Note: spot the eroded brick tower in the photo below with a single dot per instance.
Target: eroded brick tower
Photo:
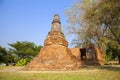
(55, 36)
(55, 55)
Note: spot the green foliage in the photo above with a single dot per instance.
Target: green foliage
(24, 49)
(23, 61)
(18, 51)
(114, 49)
(3, 52)
(8, 59)
(5, 57)
(96, 22)
(108, 57)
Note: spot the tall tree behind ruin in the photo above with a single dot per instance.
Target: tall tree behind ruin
(96, 22)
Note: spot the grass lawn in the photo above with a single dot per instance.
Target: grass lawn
(90, 73)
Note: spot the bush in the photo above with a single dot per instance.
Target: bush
(23, 61)
(108, 57)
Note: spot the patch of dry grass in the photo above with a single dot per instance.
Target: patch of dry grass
(91, 73)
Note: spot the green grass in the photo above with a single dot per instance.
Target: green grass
(100, 73)
(2, 67)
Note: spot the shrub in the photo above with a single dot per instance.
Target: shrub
(23, 61)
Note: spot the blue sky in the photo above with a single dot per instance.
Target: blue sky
(30, 20)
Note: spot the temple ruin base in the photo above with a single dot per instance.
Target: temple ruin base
(54, 57)
(55, 54)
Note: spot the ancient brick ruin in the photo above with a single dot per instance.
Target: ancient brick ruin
(55, 55)
(91, 55)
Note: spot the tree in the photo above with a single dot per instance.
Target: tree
(5, 57)
(97, 22)
(3, 52)
(24, 49)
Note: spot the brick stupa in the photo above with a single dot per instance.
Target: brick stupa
(55, 55)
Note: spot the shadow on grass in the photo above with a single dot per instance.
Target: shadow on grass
(105, 67)
(110, 67)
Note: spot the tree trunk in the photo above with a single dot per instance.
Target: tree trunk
(119, 59)
(115, 35)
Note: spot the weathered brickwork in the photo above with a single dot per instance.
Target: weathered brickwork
(55, 55)
(55, 37)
